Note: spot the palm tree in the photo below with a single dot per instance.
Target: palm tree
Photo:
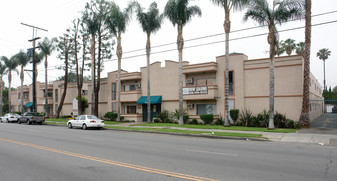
(323, 54)
(304, 118)
(179, 13)
(23, 60)
(263, 14)
(279, 49)
(228, 5)
(47, 47)
(90, 19)
(300, 48)
(11, 65)
(117, 22)
(2, 83)
(288, 45)
(150, 22)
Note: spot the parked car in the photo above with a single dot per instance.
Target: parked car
(31, 117)
(10, 117)
(86, 121)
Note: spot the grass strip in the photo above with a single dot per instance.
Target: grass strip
(166, 130)
(235, 128)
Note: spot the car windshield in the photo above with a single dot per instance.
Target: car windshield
(92, 117)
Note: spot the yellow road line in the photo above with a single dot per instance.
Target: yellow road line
(111, 162)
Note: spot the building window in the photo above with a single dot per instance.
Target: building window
(56, 95)
(130, 109)
(84, 92)
(231, 83)
(25, 95)
(56, 107)
(205, 81)
(50, 93)
(206, 109)
(113, 106)
(130, 87)
(113, 91)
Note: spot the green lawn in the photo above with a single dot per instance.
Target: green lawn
(236, 128)
(241, 135)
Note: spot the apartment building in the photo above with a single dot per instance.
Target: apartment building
(203, 92)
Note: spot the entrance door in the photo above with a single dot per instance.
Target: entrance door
(155, 108)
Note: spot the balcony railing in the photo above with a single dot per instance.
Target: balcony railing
(131, 96)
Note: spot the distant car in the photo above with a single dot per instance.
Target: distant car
(10, 117)
(86, 121)
(31, 118)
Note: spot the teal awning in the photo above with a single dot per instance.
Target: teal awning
(153, 100)
(29, 104)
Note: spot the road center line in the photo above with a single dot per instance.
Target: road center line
(110, 162)
(211, 152)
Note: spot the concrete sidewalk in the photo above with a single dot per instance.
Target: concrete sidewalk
(315, 138)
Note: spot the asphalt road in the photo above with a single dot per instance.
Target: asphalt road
(39, 153)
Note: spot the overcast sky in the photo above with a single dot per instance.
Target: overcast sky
(56, 17)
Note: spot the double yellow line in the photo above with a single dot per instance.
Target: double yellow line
(111, 162)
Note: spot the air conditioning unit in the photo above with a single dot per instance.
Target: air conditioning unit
(190, 106)
(189, 81)
(137, 85)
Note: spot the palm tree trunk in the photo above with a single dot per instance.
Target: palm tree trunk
(148, 50)
(21, 93)
(227, 25)
(271, 41)
(180, 44)
(324, 75)
(46, 85)
(9, 91)
(304, 118)
(92, 51)
(1, 87)
(119, 55)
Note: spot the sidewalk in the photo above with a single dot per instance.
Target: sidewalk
(322, 139)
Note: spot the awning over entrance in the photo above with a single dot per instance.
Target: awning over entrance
(153, 100)
(29, 104)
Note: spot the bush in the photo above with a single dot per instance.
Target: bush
(163, 116)
(156, 120)
(255, 122)
(207, 118)
(280, 120)
(194, 121)
(19, 113)
(246, 117)
(219, 122)
(290, 124)
(111, 116)
(234, 113)
(263, 118)
(239, 123)
(185, 118)
(66, 116)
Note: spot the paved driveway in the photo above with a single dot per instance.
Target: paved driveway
(325, 124)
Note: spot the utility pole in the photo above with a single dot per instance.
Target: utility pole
(31, 51)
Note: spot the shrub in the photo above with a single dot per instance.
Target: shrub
(207, 118)
(111, 116)
(280, 120)
(246, 117)
(234, 113)
(19, 113)
(156, 120)
(163, 115)
(239, 123)
(194, 121)
(218, 122)
(255, 122)
(66, 116)
(263, 118)
(290, 124)
(185, 118)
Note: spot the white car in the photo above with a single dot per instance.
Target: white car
(10, 117)
(86, 121)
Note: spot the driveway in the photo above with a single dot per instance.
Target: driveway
(325, 124)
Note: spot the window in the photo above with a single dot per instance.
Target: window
(113, 91)
(130, 87)
(84, 92)
(25, 95)
(206, 109)
(130, 109)
(205, 81)
(231, 83)
(56, 107)
(113, 106)
(56, 96)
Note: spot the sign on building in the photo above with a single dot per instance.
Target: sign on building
(75, 107)
(195, 90)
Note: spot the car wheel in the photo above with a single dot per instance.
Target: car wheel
(84, 126)
(70, 125)
(28, 122)
(98, 128)
(39, 123)
(19, 122)
(8, 121)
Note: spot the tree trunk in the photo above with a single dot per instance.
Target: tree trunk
(180, 44)
(64, 87)
(227, 26)
(271, 41)
(46, 85)
(97, 86)
(304, 118)
(1, 87)
(9, 91)
(92, 52)
(148, 50)
(324, 82)
(119, 55)
(21, 93)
